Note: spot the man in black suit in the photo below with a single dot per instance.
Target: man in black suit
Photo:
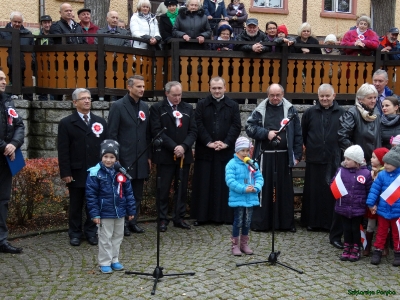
(11, 138)
(128, 123)
(177, 141)
(79, 138)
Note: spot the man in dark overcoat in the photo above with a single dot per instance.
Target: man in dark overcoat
(320, 124)
(218, 125)
(79, 137)
(128, 124)
(12, 135)
(177, 141)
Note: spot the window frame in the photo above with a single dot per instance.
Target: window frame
(282, 11)
(340, 15)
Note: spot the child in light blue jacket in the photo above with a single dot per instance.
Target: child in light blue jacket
(244, 185)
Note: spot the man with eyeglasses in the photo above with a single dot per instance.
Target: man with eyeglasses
(264, 126)
(79, 137)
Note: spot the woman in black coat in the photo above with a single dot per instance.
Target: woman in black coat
(167, 20)
(305, 37)
(390, 120)
(237, 16)
(192, 23)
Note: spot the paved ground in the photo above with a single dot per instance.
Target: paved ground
(50, 268)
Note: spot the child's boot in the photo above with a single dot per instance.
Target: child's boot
(235, 246)
(369, 236)
(376, 257)
(355, 253)
(346, 252)
(244, 247)
(396, 261)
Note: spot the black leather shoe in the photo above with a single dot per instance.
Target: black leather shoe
(75, 242)
(7, 248)
(127, 232)
(182, 224)
(293, 229)
(163, 226)
(92, 240)
(135, 228)
(198, 223)
(337, 244)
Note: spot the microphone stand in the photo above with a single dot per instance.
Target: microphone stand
(273, 256)
(158, 271)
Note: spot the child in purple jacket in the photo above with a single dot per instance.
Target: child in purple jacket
(357, 181)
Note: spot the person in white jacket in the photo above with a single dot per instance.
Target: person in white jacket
(144, 25)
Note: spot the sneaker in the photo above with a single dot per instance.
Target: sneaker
(117, 266)
(355, 253)
(376, 257)
(346, 252)
(106, 269)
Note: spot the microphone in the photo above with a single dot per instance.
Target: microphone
(247, 160)
(119, 168)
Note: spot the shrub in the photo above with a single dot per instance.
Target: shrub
(35, 188)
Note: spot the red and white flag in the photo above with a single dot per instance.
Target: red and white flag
(398, 227)
(363, 237)
(337, 187)
(392, 193)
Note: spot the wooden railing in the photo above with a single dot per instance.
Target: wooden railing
(104, 69)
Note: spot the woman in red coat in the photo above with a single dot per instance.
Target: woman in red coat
(362, 36)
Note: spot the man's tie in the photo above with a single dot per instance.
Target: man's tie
(174, 107)
(85, 117)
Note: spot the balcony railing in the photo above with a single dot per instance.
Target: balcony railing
(104, 69)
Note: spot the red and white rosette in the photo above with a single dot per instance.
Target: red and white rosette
(97, 129)
(142, 115)
(284, 122)
(238, 12)
(121, 178)
(361, 37)
(178, 116)
(11, 114)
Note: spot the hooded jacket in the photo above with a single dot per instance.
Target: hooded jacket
(140, 28)
(106, 198)
(381, 183)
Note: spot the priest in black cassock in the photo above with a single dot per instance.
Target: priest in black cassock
(263, 126)
(218, 124)
(320, 124)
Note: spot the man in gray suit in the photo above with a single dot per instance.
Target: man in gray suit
(128, 123)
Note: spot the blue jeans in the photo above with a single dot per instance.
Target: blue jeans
(241, 219)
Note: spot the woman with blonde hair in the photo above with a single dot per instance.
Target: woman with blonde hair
(144, 25)
(304, 37)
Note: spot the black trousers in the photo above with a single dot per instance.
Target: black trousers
(167, 174)
(137, 187)
(5, 195)
(351, 230)
(77, 203)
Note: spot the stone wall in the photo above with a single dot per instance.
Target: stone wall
(41, 120)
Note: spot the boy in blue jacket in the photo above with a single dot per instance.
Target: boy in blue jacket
(244, 184)
(384, 200)
(109, 198)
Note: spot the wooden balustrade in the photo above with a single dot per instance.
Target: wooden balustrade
(104, 69)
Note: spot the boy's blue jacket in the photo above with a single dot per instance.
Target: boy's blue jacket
(236, 175)
(103, 198)
(380, 184)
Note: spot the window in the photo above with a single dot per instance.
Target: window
(268, 3)
(340, 6)
(269, 6)
(339, 9)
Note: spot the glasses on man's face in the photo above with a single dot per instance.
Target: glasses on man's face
(85, 99)
(273, 96)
